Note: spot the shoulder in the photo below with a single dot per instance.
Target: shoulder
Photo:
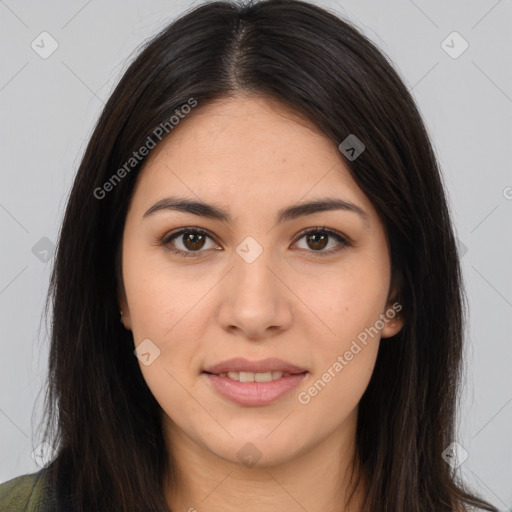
(25, 493)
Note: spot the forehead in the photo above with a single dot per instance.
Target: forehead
(242, 148)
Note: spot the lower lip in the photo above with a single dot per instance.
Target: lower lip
(254, 393)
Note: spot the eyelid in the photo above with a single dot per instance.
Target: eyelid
(325, 229)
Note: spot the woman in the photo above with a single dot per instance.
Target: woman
(261, 203)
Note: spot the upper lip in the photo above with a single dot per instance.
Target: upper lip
(239, 364)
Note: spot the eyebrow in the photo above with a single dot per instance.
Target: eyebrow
(286, 214)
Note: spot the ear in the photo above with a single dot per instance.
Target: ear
(125, 310)
(393, 316)
(121, 294)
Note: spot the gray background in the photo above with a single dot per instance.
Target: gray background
(48, 107)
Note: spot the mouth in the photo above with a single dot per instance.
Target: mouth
(264, 369)
(253, 383)
(252, 389)
(255, 376)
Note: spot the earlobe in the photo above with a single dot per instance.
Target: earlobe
(394, 314)
(392, 327)
(125, 320)
(394, 320)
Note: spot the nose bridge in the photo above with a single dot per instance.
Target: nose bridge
(255, 298)
(251, 271)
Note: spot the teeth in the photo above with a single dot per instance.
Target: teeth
(254, 377)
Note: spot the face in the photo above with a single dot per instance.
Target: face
(255, 279)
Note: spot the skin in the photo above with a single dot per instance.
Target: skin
(253, 156)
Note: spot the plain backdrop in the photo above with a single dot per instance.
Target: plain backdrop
(59, 63)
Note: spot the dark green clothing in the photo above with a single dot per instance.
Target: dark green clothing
(26, 493)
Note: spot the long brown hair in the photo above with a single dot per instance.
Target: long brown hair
(101, 416)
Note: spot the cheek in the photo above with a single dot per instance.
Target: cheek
(345, 358)
(351, 298)
(162, 307)
(350, 305)
(160, 295)
(335, 392)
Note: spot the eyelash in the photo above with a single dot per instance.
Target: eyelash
(343, 242)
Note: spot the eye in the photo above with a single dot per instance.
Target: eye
(192, 240)
(318, 239)
(187, 242)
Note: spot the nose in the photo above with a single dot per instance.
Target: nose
(256, 301)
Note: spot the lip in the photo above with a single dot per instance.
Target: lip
(254, 393)
(239, 364)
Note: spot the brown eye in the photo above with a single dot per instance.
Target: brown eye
(318, 239)
(187, 242)
(193, 241)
